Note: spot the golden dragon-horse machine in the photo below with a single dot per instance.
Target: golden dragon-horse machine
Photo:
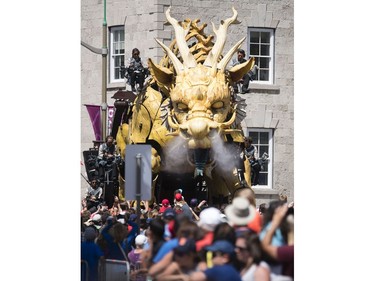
(190, 115)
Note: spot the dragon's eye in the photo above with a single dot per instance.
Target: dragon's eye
(217, 105)
(182, 106)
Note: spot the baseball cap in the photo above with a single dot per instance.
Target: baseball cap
(97, 218)
(209, 218)
(140, 240)
(89, 234)
(222, 246)
(169, 213)
(165, 202)
(178, 196)
(132, 217)
(194, 202)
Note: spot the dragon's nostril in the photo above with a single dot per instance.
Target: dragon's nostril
(199, 128)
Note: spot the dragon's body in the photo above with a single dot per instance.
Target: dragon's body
(189, 112)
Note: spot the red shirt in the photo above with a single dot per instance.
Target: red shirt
(256, 223)
(163, 208)
(205, 241)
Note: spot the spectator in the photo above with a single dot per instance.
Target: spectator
(255, 224)
(209, 218)
(185, 262)
(186, 210)
(169, 220)
(95, 221)
(133, 229)
(187, 230)
(249, 254)
(85, 216)
(280, 235)
(114, 234)
(284, 254)
(156, 240)
(240, 213)
(222, 269)
(193, 202)
(135, 257)
(91, 252)
(224, 231)
(197, 208)
(165, 205)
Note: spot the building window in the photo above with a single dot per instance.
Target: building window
(117, 53)
(263, 140)
(261, 47)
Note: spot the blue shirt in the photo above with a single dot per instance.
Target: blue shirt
(222, 273)
(113, 249)
(165, 249)
(91, 253)
(277, 239)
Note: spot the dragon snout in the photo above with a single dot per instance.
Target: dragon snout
(198, 131)
(198, 128)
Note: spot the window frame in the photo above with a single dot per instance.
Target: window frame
(270, 153)
(112, 55)
(271, 67)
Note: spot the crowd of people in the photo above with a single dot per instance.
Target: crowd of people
(193, 240)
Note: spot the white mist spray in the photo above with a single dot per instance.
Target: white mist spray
(222, 154)
(175, 156)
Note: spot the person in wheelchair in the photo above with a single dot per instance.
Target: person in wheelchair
(136, 70)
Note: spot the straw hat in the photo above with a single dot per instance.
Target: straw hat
(240, 212)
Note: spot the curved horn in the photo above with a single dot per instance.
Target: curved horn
(221, 37)
(188, 58)
(224, 61)
(178, 66)
(161, 74)
(172, 124)
(238, 71)
(230, 121)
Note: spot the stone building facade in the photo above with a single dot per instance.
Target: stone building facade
(270, 102)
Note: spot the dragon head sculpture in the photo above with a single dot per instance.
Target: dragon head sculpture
(202, 105)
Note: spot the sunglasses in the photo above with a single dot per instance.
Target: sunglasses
(241, 249)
